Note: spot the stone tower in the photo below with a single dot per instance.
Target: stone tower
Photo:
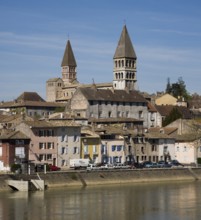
(124, 71)
(68, 65)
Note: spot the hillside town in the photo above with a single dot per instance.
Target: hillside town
(107, 123)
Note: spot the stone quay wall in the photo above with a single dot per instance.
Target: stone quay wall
(105, 177)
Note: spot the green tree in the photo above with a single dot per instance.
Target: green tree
(174, 115)
(168, 87)
(178, 89)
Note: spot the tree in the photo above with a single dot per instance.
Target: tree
(168, 87)
(178, 89)
(174, 115)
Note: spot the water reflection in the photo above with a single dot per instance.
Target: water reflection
(138, 201)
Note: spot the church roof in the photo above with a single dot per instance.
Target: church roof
(125, 46)
(68, 58)
(92, 94)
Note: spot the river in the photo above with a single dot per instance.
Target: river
(155, 201)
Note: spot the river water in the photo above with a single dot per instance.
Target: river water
(155, 201)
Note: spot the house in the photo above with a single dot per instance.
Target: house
(14, 148)
(115, 143)
(54, 142)
(187, 140)
(90, 145)
(187, 148)
(31, 104)
(153, 146)
(166, 99)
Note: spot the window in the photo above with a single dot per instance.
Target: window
(63, 150)
(20, 152)
(75, 150)
(94, 149)
(85, 149)
(62, 138)
(185, 148)
(153, 148)
(42, 146)
(140, 114)
(41, 157)
(1, 151)
(75, 138)
(113, 147)
(50, 145)
(49, 156)
(63, 163)
(119, 148)
(165, 149)
(178, 148)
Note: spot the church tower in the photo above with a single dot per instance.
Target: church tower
(68, 65)
(124, 70)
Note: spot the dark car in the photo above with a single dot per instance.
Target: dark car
(176, 163)
(164, 164)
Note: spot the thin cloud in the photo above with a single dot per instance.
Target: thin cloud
(195, 34)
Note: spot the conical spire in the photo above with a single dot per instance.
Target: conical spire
(125, 48)
(68, 58)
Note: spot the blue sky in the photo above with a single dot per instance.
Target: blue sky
(166, 36)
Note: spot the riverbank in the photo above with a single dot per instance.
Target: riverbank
(105, 177)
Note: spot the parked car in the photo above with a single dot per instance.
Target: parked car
(54, 168)
(164, 164)
(121, 166)
(147, 164)
(176, 163)
(138, 165)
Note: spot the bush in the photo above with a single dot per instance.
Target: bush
(15, 167)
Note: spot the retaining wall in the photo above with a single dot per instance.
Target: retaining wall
(90, 178)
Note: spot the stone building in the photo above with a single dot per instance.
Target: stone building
(108, 104)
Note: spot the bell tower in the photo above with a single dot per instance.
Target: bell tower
(124, 60)
(68, 65)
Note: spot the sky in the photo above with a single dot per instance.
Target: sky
(166, 36)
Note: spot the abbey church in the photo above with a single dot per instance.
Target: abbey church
(104, 102)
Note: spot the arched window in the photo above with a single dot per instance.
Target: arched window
(127, 75)
(122, 63)
(115, 63)
(119, 63)
(126, 63)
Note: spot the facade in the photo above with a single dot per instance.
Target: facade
(68, 143)
(104, 104)
(90, 146)
(186, 151)
(52, 142)
(153, 146)
(14, 148)
(31, 104)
